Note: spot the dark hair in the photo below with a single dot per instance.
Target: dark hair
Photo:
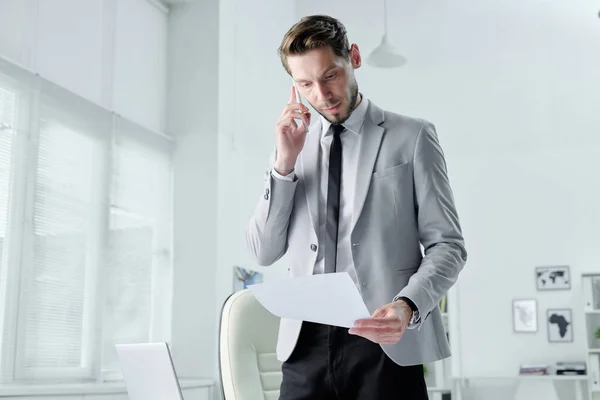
(313, 32)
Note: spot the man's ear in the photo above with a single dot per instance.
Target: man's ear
(355, 58)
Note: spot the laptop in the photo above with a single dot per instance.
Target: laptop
(148, 371)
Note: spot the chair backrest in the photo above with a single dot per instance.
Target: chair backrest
(248, 364)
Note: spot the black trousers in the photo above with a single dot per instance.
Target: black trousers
(328, 363)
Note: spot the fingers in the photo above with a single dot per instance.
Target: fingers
(387, 331)
(381, 338)
(387, 341)
(380, 312)
(293, 111)
(296, 113)
(305, 118)
(381, 322)
(290, 122)
(291, 107)
(286, 122)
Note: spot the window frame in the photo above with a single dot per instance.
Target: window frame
(9, 313)
(30, 98)
(94, 253)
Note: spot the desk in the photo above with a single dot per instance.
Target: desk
(194, 389)
(529, 386)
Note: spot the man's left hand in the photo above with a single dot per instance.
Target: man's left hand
(386, 325)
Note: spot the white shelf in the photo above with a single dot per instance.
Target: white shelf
(439, 376)
(589, 284)
(438, 390)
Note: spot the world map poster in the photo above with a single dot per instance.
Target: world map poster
(553, 278)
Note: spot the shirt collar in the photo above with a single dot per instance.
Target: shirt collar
(354, 122)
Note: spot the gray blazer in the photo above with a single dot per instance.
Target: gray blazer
(401, 175)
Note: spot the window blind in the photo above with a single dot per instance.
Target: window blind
(138, 241)
(7, 117)
(62, 229)
(7, 122)
(85, 198)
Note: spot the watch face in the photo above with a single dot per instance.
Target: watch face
(415, 317)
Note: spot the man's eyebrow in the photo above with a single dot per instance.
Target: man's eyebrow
(329, 69)
(332, 67)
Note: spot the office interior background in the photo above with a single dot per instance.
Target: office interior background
(134, 135)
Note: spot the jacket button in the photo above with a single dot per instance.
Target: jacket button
(267, 191)
(313, 247)
(266, 196)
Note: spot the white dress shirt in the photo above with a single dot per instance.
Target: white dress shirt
(350, 151)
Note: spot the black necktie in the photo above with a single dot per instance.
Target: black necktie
(333, 199)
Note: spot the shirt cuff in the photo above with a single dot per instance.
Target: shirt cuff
(289, 177)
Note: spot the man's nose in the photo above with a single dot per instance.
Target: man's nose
(323, 93)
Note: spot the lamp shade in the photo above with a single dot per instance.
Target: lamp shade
(386, 55)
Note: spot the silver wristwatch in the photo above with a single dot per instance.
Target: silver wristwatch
(416, 317)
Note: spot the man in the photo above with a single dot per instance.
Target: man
(358, 191)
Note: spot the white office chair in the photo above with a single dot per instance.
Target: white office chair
(248, 363)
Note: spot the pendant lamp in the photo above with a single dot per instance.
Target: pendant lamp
(386, 55)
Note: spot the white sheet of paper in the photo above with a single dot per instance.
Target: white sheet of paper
(330, 299)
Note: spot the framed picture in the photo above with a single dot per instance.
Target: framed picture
(525, 315)
(444, 305)
(560, 325)
(553, 278)
(243, 277)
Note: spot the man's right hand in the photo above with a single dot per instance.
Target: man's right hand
(289, 136)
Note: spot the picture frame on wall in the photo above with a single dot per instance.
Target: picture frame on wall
(559, 323)
(525, 318)
(553, 278)
(243, 277)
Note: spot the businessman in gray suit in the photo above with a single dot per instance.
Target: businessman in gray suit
(357, 189)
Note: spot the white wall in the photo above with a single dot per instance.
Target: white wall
(193, 120)
(223, 69)
(517, 115)
(111, 52)
(253, 89)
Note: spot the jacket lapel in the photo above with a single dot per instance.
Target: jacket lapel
(311, 171)
(370, 140)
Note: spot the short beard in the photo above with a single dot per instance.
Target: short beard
(351, 105)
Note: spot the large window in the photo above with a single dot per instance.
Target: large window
(85, 234)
